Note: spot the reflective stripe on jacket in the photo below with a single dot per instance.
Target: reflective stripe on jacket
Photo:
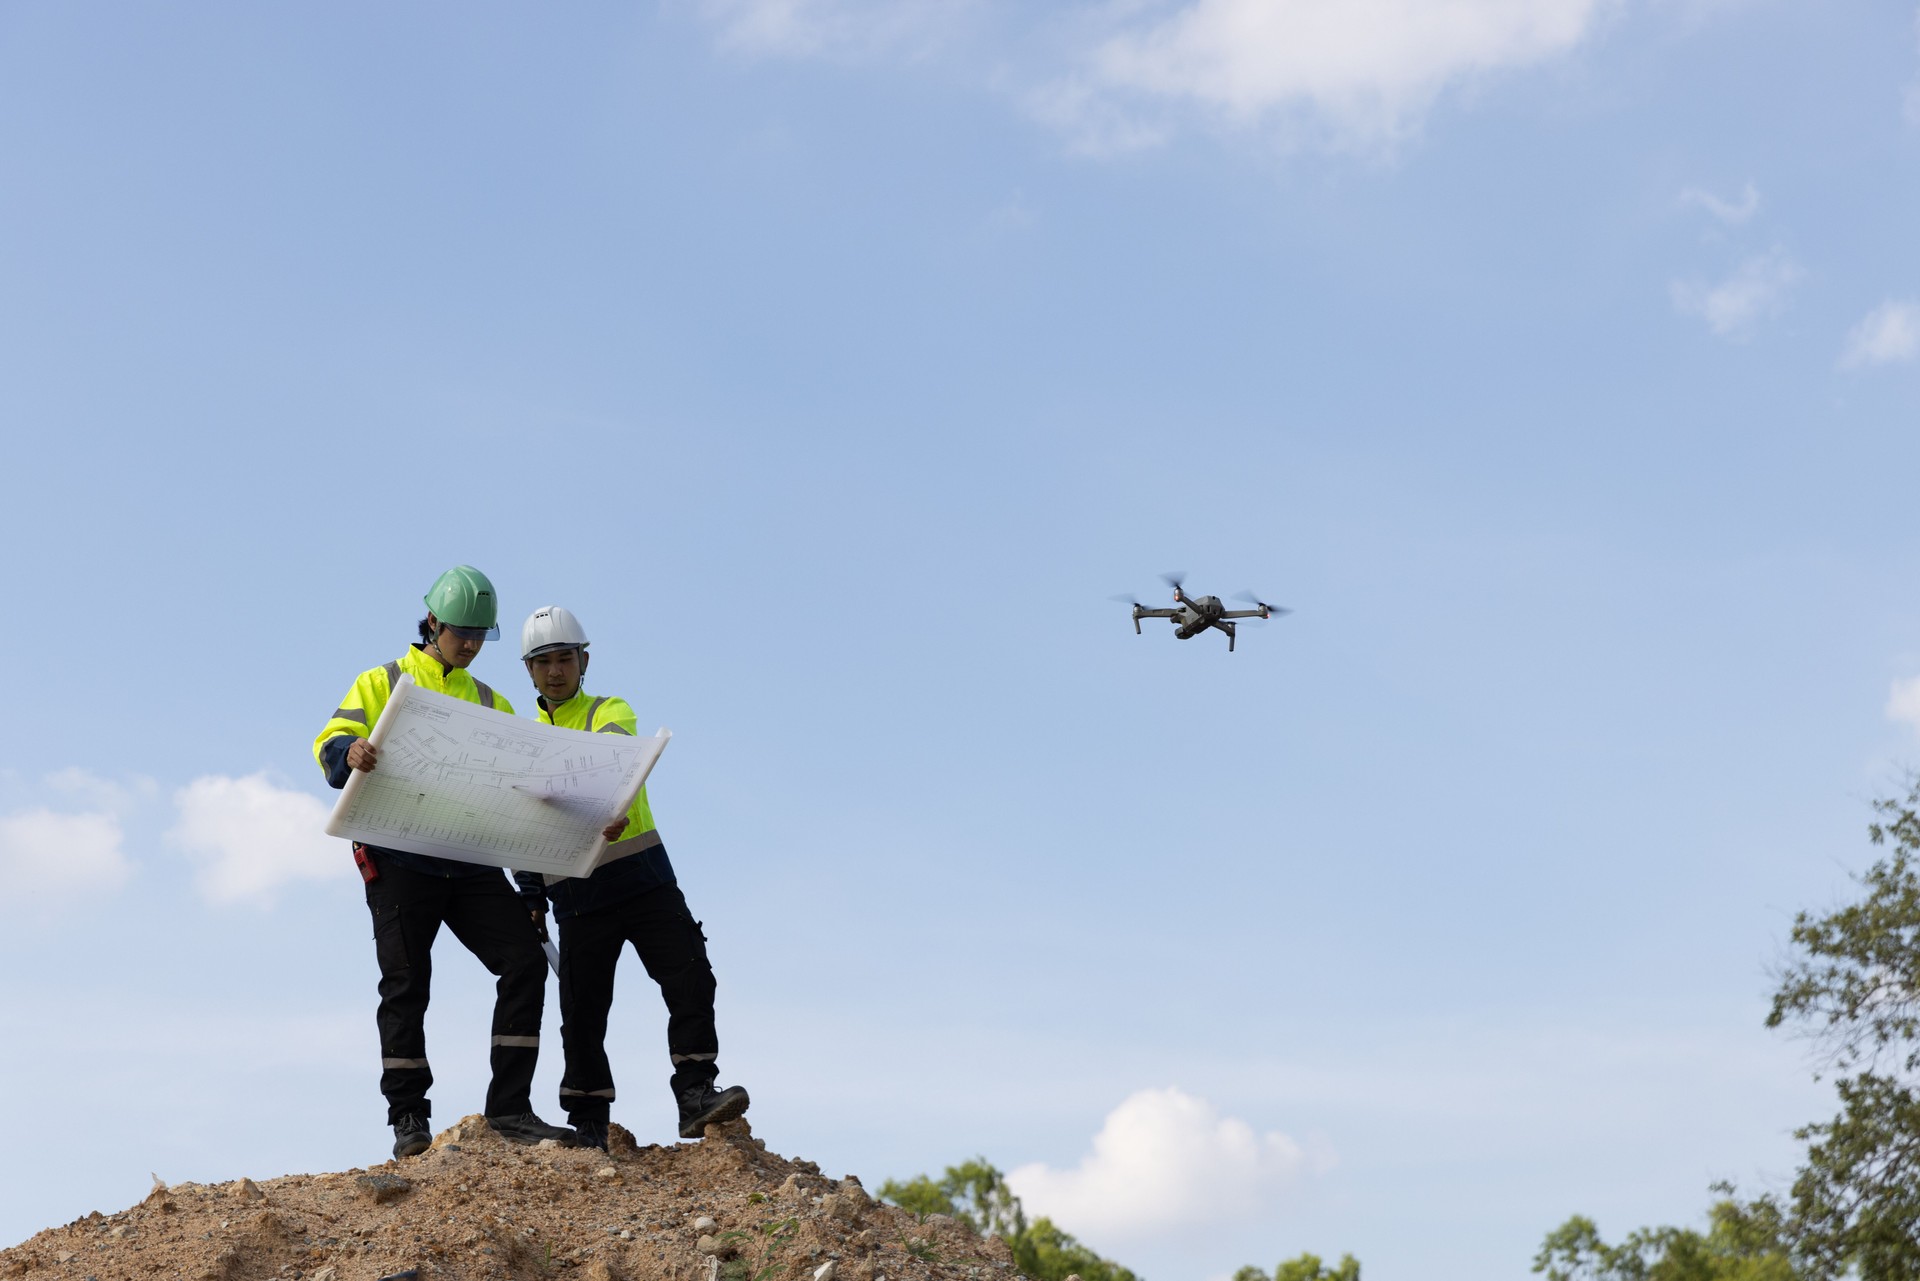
(603, 716)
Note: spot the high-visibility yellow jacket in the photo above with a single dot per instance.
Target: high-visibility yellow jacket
(603, 716)
(633, 864)
(360, 711)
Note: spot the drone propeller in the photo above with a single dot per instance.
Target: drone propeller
(1174, 578)
(1127, 599)
(1275, 610)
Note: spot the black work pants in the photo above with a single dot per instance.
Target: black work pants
(672, 947)
(490, 921)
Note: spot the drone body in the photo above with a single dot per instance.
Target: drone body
(1192, 615)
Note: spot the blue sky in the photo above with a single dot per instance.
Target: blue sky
(836, 361)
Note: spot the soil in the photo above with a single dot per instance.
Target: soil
(475, 1206)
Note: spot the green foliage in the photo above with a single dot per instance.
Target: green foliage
(1742, 1243)
(921, 1196)
(1307, 1267)
(773, 1235)
(1855, 988)
(976, 1193)
(1045, 1253)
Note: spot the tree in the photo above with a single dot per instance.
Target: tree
(977, 1194)
(1307, 1267)
(1045, 1253)
(1855, 987)
(1742, 1243)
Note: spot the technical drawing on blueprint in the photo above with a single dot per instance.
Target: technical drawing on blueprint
(464, 782)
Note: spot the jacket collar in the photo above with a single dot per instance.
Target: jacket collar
(550, 713)
(426, 669)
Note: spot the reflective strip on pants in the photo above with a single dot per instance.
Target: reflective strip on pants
(518, 1042)
(586, 1094)
(403, 1063)
(693, 1058)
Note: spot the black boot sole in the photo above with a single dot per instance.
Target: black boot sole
(725, 1111)
(412, 1147)
(527, 1140)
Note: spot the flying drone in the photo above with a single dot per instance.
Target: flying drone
(1195, 614)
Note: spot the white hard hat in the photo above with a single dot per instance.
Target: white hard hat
(551, 627)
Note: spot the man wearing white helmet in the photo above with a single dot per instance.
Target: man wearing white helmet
(631, 897)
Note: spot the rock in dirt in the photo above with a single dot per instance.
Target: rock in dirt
(382, 1188)
(838, 1205)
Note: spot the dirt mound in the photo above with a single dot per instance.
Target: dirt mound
(474, 1206)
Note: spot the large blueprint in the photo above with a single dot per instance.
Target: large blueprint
(461, 781)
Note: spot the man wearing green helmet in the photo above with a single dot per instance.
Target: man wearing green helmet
(412, 895)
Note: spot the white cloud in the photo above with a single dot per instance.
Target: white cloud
(1369, 68)
(251, 837)
(836, 28)
(1903, 702)
(1731, 212)
(1094, 122)
(1113, 75)
(101, 793)
(65, 853)
(1162, 1159)
(1733, 308)
(1887, 335)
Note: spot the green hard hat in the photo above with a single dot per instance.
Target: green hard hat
(463, 596)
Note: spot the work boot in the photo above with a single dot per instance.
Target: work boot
(701, 1106)
(528, 1128)
(411, 1136)
(593, 1134)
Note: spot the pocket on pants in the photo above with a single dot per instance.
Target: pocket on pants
(389, 938)
(696, 945)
